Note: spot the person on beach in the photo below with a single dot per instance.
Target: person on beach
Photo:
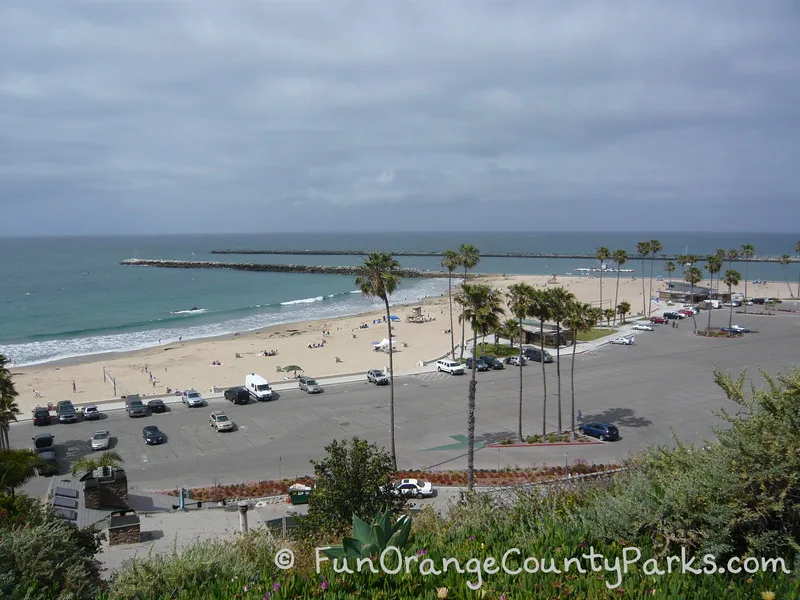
(74, 387)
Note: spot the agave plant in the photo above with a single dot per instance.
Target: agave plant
(372, 540)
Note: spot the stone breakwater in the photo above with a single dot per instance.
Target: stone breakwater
(322, 270)
(589, 256)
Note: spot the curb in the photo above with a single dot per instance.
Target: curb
(546, 444)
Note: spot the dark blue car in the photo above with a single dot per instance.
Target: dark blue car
(604, 431)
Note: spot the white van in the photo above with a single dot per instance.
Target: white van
(258, 387)
(450, 366)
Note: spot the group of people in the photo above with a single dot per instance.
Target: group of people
(269, 353)
(216, 363)
(320, 345)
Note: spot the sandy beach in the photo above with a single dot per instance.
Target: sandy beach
(347, 348)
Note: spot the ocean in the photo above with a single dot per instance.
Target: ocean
(62, 297)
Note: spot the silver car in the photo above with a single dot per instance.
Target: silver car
(100, 440)
(309, 385)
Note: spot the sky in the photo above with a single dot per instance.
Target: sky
(155, 116)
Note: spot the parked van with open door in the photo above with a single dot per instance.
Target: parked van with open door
(258, 387)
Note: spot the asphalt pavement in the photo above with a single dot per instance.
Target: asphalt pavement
(662, 385)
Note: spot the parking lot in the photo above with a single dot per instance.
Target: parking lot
(661, 384)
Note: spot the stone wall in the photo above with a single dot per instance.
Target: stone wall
(126, 534)
(108, 489)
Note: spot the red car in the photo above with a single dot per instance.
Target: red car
(661, 320)
(688, 312)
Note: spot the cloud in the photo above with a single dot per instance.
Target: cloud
(149, 117)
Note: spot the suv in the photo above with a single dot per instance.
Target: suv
(309, 385)
(220, 421)
(66, 412)
(516, 360)
(43, 442)
(134, 406)
(492, 362)
(377, 377)
(536, 354)
(91, 412)
(192, 398)
(237, 395)
(450, 366)
(41, 416)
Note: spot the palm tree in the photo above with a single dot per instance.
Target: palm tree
(784, 261)
(669, 267)
(602, 255)
(693, 276)
(580, 317)
(540, 308)
(748, 252)
(450, 262)
(468, 257)
(731, 279)
(608, 314)
(87, 464)
(623, 309)
(655, 248)
(643, 249)
(378, 278)
(559, 306)
(520, 296)
(713, 265)
(8, 405)
(17, 467)
(482, 307)
(683, 260)
(620, 257)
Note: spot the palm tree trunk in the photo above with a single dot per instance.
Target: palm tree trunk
(4, 437)
(463, 324)
(520, 381)
(710, 287)
(558, 370)
(616, 296)
(730, 315)
(644, 300)
(450, 296)
(601, 285)
(544, 379)
(391, 383)
(746, 260)
(694, 318)
(650, 293)
(572, 383)
(473, 384)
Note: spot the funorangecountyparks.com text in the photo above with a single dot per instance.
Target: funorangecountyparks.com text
(514, 561)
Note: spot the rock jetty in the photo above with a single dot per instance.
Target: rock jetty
(324, 270)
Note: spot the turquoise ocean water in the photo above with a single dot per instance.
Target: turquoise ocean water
(69, 296)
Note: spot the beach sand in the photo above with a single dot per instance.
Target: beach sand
(347, 349)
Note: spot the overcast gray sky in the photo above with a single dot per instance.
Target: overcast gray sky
(191, 116)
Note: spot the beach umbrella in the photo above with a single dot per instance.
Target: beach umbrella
(294, 368)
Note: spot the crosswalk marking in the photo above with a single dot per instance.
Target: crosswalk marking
(431, 377)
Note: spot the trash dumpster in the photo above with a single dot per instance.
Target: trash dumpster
(299, 493)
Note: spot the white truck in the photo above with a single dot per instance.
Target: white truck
(258, 387)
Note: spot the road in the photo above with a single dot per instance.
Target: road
(661, 385)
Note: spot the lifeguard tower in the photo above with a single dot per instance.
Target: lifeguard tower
(415, 316)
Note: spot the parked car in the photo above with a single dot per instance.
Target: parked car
(309, 385)
(625, 341)
(157, 405)
(516, 360)
(415, 488)
(43, 442)
(536, 354)
(732, 304)
(100, 440)
(220, 421)
(450, 366)
(192, 398)
(237, 395)
(66, 412)
(91, 412)
(135, 406)
(492, 362)
(642, 327)
(377, 377)
(41, 416)
(687, 312)
(479, 364)
(740, 328)
(659, 320)
(49, 464)
(674, 315)
(152, 435)
(604, 431)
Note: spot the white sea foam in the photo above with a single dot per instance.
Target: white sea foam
(303, 301)
(190, 311)
(309, 309)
